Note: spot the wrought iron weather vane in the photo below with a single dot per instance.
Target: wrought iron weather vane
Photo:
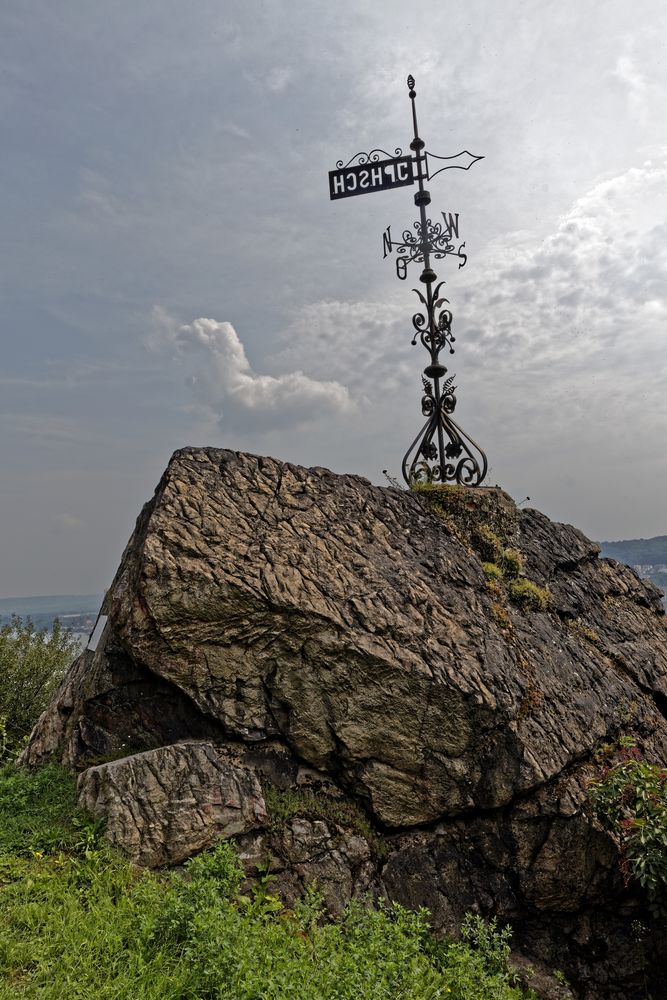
(442, 452)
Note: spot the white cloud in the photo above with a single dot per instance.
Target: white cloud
(362, 344)
(627, 72)
(97, 199)
(560, 353)
(640, 71)
(278, 78)
(592, 293)
(228, 388)
(233, 128)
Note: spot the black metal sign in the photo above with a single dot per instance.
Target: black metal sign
(442, 452)
(371, 175)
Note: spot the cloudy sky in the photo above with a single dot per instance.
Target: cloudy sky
(173, 272)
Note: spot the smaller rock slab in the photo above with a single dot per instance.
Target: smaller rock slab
(164, 805)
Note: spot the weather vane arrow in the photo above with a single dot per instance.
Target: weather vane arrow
(442, 452)
(462, 161)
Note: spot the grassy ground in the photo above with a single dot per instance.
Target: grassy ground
(78, 922)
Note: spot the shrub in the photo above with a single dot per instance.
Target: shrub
(32, 664)
(630, 801)
(284, 805)
(579, 628)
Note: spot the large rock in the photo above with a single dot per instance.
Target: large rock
(314, 621)
(164, 805)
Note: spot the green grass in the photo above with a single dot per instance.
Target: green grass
(78, 922)
(38, 812)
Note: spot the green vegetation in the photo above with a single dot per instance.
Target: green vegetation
(492, 571)
(503, 565)
(502, 619)
(527, 594)
(582, 630)
(38, 812)
(488, 544)
(32, 664)
(511, 563)
(283, 805)
(471, 510)
(445, 503)
(630, 801)
(79, 922)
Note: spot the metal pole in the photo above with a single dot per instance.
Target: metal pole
(428, 276)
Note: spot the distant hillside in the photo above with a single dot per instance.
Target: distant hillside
(647, 555)
(75, 611)
(638, 551)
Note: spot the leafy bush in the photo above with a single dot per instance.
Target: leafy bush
(630, 801)
(32, 664)
(79, 922)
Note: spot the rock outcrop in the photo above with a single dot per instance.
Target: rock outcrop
(419, 727)
(164, 805)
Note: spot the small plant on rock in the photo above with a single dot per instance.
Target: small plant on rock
(283, 806)
(527, 594)
(491, 571)
(512, 563)
(488, 544)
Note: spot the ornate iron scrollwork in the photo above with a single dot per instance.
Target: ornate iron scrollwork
(434, 239)
(374, 156)
(442, 452)
(435, 329)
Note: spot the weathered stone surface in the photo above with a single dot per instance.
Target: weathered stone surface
(164, 805)
(307, 851)
(309, 621)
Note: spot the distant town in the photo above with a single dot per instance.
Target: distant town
(77, 612)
